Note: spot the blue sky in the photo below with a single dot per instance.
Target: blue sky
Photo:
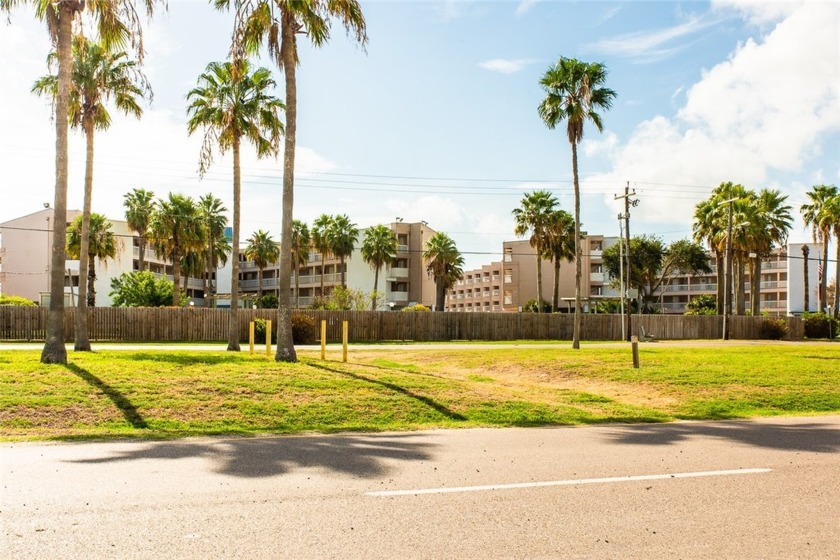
(437, 119)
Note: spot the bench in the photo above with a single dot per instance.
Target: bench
(645, 336)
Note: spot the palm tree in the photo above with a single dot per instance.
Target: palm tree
(277, 24)
(231, 103)
(533, 216)
(216, 249)
(574, 91)
(342, 236)
(301, 241)
(378, 249)
(560, 246)
(320, 240)
(833, 211)
(445, 265)
(263, 250)
(98, 76)
(175, 231)
(709, 221)
(806, 303)
(117, 23)
(770, 228)
(102, 245)
(139, 207)
(817, 215)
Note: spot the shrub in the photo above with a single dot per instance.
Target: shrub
(773, 329)
(141, 289)
(531, 306)
(267, 301)
(704, 304)
(416, 307)
(304, 330)
(819, 325)
(17, 301)
(343, 299)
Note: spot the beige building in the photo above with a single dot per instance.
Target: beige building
(509, 284)
(25, 246)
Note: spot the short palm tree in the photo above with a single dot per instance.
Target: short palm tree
(445, 265)
(301, 240)
(216, 246)
(176, 231)
(263, 251)
(98, 76)
(817, 215)
(102, 245)
(139, 206)
(277, 23)
(560, 246)
(342, 236)
(532, 217)
(574, 92)
(232, 103)
(117, 23)
(321, 242)
(379, 249)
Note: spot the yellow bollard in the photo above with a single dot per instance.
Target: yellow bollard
(251, 337)
(323, 339)
(344, 341)
(268, 338)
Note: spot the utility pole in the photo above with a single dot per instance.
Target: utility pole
(628, 202)
(623, 292)
(727, 271)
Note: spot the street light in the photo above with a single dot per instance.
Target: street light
(727, 271)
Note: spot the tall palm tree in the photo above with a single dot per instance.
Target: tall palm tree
(342, 236)
(817, 215)
(378, 249)
(445, 265)
(277, 24)
(574, 92)
(321, 241)
(139, 206)
(301, 240)
(560, 246)
(102, 245)
(834, 217)
(216, 248)
(231, 103)
(709, 221)
(98, 77)
(263, 250)
(175, 231)
(807, 300)
(770, 227)
(117, 23)
(533, 216)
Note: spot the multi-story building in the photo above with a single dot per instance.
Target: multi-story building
(509, 284)
(26, 245)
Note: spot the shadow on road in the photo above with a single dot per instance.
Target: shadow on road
(402, 390)
(358, 455)
(129, 411)
(819, 438)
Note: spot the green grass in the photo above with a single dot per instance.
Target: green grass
(175, 393)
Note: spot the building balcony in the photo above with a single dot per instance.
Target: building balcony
(402, 248)
(774, 285)
(597, 277)
(401, 273)
(398, 297)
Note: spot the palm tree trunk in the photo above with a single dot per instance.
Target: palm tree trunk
(440, 293)
(285, 342)
(375, 287)
(555, 298)
(741, 292)
(176, 278)
(141, 251)
(576, 331)
(807, 298)
(341, 264)
(91, 293)
(539, 281)
(82, 341)
(54, 351)
(233, 315)
(259, 283)
(322, 275)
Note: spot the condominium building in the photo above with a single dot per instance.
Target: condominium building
(508, 285)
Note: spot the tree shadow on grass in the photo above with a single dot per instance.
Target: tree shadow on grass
(814, 437)
(129, 411)
(396, 388)
(363, 456)
(184, 359)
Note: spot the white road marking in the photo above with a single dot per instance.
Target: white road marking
(564, 482)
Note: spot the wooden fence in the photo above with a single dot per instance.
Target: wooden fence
(199, 324)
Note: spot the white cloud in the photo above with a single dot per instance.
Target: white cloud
(758, 12)
(506, 66)
(604, 146)
(525, 6)
(611, 13)
(765, 108)
(649, 46)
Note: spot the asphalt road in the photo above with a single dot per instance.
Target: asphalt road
(763, 489)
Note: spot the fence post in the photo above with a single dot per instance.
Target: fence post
(251, 337)
(634, 342)
(323, 339)
(344, 341)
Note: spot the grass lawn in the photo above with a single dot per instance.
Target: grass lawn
(175, 393)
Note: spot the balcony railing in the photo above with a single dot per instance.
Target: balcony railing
(596, 276)
(397, 273)
(398, 297)
(402, 248)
